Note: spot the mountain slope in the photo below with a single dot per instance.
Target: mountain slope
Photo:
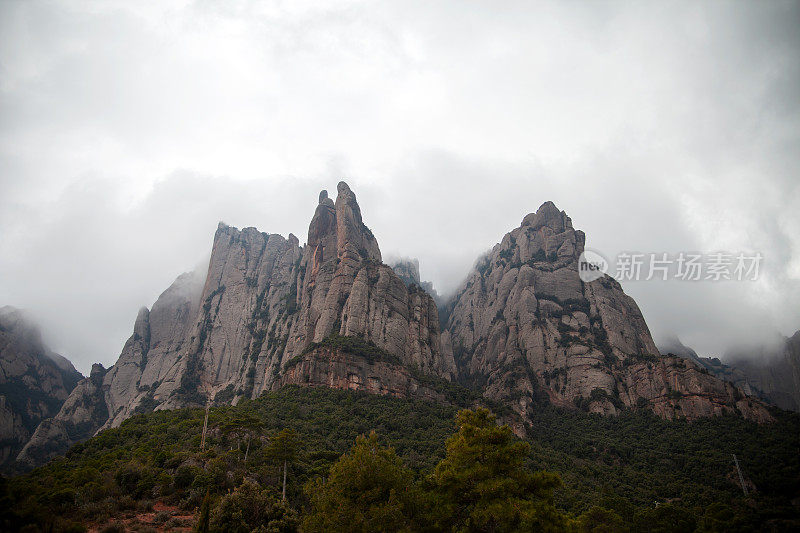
(34, 381)
(623, 463)
(773, 371)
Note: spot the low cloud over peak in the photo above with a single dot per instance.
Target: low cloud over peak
(129, 131)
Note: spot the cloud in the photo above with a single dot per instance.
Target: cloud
(128, 130)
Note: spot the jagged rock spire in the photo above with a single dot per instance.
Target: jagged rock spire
(354, 238)
(337, 231)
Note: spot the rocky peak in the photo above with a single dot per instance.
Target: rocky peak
(97, 373)
(354, 238)
(770, 370)
(267, 312)
(407, 270)
(525, 328)
(548, 216)
(337, 231)
(34, 381)
(15, 321)
(353, 293)
(141, 327)
(322, 230)
(258, 319)
(545, 241)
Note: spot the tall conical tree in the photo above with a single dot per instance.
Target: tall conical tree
(205, 515)
(485, 483)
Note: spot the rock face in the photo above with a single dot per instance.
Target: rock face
(150, 364)
(34, 381)
(525, 328)
(269, 312)
(83, 412)
(264, 301)
(770, 372)
(408, 271)
(340, 369)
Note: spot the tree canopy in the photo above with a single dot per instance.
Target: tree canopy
(485, 482)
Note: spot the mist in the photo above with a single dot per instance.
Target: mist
(128, 131)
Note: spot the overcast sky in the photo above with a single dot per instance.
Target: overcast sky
(129, 129)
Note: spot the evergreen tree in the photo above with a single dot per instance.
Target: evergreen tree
(485, 483)
(283, 450)
(205, 515)
(600, 520)
(368, 490)
(666, 518)
(251, 509)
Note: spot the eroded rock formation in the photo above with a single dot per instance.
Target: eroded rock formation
(270, 312)
(770, 371)
(525, 328)
(263, 302)
(34, 381)
(80, 416)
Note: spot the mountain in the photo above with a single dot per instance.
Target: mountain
(525, 329)
(269, 313)
(768, 371)
(34, 381)
(408, 271)
(774, 370)
(671, 344)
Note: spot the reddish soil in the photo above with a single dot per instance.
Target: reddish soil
(133, 521)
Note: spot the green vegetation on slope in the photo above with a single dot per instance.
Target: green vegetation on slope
(635, 471)
(637, 459)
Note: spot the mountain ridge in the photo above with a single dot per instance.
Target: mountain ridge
(770, 371)
(266, 302)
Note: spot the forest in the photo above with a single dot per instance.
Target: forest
(318, 459)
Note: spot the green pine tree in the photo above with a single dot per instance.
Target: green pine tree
(367, 490)
(205, 515)
(283, 450)
(249, 508)
(485, 483)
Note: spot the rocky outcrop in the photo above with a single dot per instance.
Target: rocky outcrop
(670, 344)
(150, 364)
(262, 303)
(770, 372)
(34, 381)
(83, 412)
(341, 369)
(408, 271)
(269, 312)
(773, 372)
(150, 367)
(267, 299)
(524, 328)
